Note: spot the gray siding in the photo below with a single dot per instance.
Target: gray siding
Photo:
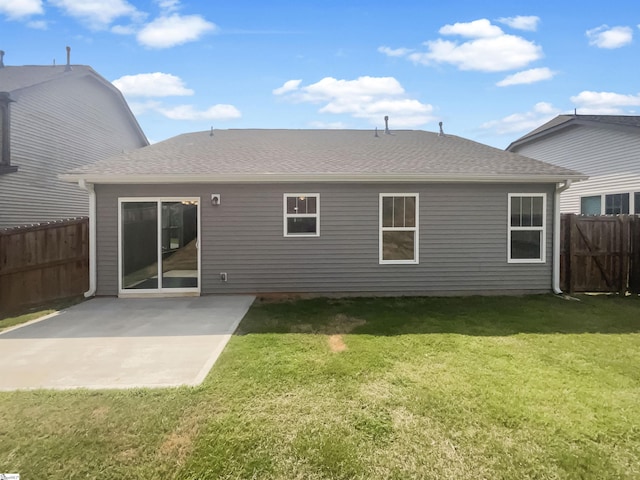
(463, 240)
(610, 156)
(55, 127)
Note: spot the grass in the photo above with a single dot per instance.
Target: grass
(399, 388)
(36, 312)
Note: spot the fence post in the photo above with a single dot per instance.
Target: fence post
(571, 264)
(624, 254)
(634, 268)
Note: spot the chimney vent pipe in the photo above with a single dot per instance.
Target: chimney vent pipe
(68, 67)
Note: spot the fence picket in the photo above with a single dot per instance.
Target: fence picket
(43, 263)
(600, 253)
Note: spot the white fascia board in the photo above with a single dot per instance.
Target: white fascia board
(322, 178)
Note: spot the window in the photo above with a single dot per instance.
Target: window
(5, 153)
(636, 199)
(616, 204)
(527, 219)
(399, 228)
(591, 205)
(301, 215)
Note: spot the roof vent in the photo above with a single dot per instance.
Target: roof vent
(376, 134)
(386, 124)
(68, 67)
(441, 134)
(1, 58)
(211, 133)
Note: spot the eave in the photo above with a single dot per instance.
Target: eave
(319, 178)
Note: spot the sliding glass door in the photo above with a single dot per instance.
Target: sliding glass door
(159, 245)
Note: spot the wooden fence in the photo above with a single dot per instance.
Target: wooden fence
(43, 263)
(600, 254)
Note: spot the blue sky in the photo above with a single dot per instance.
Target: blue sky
(490, 71)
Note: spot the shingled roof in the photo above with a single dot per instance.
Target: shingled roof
(318, 155)
(563, 121)
(23, 76)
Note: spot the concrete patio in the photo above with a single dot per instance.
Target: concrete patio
(121, 343)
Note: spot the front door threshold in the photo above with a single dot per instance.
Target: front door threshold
(157, 294)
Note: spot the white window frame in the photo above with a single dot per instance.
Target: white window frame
(416, 230)
(542, 229)
(286, 216)
(630, 200)
(603, 201)
(592, 196)
(126, 292)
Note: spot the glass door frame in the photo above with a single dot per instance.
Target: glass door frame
(159, 291)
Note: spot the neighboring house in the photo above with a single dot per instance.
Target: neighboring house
(53, 119)
(322, 211)
(605, 147)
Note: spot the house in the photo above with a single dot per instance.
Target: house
(605, 147)
(53, 119)
(322, 211)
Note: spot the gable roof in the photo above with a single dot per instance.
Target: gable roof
(563, 121)
(18, 78)
(317, 155)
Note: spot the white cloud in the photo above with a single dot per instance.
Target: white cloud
(289, 86)
(363, 88)
(527, 76)
(604, 103)
(169, 5)
(38, 24)
(477, 29)
(139, 108)
(97, 13)
(172, 30)
(189, 112)
(185, 112)
(614, 37)
(489, 50)
(369, 98)
(395, 52)
(521, 22)
(496, 54)
(156, 84)
(16, 9)
(541, 113)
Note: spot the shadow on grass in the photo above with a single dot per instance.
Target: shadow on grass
(479, 316)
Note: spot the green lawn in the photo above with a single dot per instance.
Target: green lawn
(400, 388)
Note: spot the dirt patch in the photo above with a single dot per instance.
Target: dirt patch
(339, 326)
(336, 343)
(100, 413)
(127, 455)
(178, 444)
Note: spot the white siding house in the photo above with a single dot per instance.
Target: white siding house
(53, 119)
(604, 147)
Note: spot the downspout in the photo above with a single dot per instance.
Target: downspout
(556, 237)
(92, 236)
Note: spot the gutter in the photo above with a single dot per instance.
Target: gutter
(89, 187)
(556, 237)
(199, 178)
